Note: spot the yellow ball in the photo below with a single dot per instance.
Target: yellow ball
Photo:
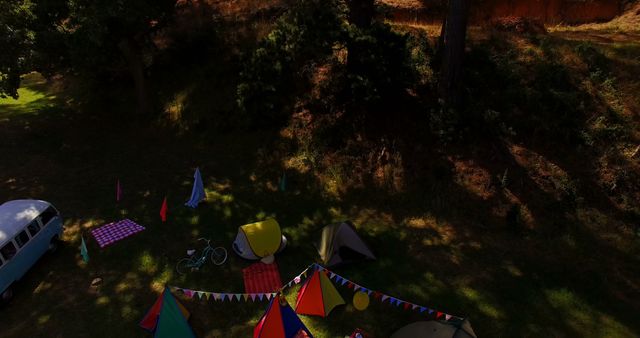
(360, 301)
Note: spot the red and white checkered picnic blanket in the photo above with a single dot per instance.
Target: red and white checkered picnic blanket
(113, 232)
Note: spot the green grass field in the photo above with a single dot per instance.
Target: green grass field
(438, 247)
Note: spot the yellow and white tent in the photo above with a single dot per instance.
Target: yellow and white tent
(259, 240)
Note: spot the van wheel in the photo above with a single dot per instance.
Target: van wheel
(53, 245)
(7, 295)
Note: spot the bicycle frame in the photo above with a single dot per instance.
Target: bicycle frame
(197, 262)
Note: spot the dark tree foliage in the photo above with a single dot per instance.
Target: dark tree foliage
(368, 62)
(16, 44)
(107, 37)
(280, 67)
(96, 40)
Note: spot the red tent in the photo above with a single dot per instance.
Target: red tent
(150, 320)
(280, 322)
(318, 296)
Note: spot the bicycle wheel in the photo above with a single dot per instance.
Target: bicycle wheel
(219, 255)
(183, 266)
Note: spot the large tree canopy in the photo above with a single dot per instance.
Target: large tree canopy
(16, 42)
(90, 38)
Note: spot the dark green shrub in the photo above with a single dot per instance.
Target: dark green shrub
(280, 68)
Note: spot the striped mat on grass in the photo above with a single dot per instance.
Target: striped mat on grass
(261, 278)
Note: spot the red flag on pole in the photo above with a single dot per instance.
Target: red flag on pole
(163, 210)
(118, 191)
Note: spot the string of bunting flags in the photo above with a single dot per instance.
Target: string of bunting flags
(386, 298)
(224, 296)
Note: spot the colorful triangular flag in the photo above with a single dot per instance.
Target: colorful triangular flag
(197, 193)
(283, 182)
(118, 191)
(163, 210)
(83, 251)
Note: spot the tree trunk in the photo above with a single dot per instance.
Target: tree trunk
(361, 14)
(455, 32)
(132, 55)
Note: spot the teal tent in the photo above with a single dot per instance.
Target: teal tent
(171, 322)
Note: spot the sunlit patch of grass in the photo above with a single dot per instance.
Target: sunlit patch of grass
(583, 318)
(128, 312)
(609, 229)
(215, 196)
(130, 281)
(482, 303)
(33, 98)
(26, 96)
(195, 233)
(75, 228)
(195, 219)
(43, 319)
(29, 92)
(42, 287)
(160, 280)
(227, 212)
(147, 263)
(307, 226)
(103, 300)
(512, 269)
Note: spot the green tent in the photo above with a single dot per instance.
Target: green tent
(171, 322)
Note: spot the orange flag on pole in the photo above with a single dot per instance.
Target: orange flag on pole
(163, 210)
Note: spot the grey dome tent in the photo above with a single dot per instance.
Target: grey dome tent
(436, 329)
(339, 243)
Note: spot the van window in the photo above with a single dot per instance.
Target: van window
(47, 215)
(33, 228)
(22, 238)
(8, 251)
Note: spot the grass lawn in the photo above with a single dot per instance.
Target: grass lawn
(437, 247)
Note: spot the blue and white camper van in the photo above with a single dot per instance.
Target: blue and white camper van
(28, 229)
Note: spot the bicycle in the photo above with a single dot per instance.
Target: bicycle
(217, 255)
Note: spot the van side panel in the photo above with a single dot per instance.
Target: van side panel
(8, 273)
(29, 254)
(54, 228)
(5, 279)
(24, 259)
